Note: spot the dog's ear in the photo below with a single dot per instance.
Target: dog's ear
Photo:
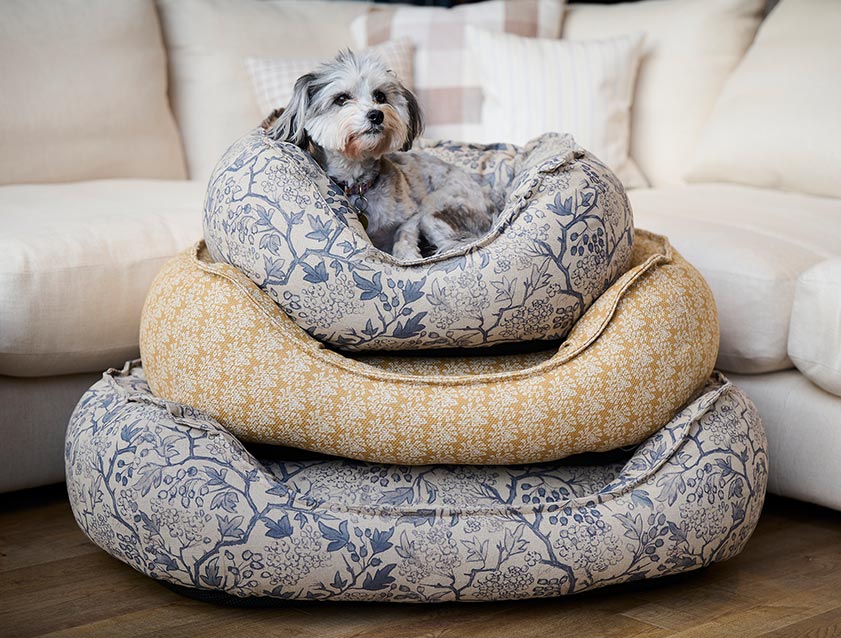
(415, 119)
(290, 126)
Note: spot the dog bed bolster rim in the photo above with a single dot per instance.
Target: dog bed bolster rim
(196, 419)
(171, 518)
(314, 348)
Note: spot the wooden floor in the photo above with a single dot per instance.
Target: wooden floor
(787, 583)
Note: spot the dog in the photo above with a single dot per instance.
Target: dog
(355, 118)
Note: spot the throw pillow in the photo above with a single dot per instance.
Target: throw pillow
(445, 82)
(274, 78)
(535, 85)
(206, 42)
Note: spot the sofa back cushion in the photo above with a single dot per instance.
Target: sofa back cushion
(208, 42)
(778, 122)
(83, 93)
(691, 47)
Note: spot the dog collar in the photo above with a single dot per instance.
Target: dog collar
(356, 188)
(355, 193)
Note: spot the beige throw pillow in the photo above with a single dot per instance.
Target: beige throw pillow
(535, 85)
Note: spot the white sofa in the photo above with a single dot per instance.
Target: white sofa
(97, 149)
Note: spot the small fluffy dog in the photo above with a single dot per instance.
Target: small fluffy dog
(353, 116)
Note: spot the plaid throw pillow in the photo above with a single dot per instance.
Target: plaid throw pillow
(274, 79)
(445, 80)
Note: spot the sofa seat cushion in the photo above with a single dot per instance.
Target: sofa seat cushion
(751, 245)
(814, 340)
(75, 263)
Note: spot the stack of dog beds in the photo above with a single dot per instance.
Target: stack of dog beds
(431, 461)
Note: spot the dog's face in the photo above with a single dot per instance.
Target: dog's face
(352, 105)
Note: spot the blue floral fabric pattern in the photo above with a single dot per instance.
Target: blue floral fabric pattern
(171, 493)
(564, 234)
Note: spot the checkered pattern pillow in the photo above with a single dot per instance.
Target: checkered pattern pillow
(274, 79)
(445, 80)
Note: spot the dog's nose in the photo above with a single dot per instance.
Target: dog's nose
(375, 116)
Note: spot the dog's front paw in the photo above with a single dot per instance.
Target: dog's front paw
(406, 251)
(407, 241)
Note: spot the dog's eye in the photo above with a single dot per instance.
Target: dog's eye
(379, 97)
(341, 99)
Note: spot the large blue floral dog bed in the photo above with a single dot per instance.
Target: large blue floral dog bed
(171, 493)
(564, 234)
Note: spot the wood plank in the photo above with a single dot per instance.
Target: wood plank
(826, 625)
(183, 618)
(780, 614)
(28, 525)
(547, 618)
(74, 591)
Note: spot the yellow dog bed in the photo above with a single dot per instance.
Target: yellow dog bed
(210, 338)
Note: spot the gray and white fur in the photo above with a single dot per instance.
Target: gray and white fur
(357, 120)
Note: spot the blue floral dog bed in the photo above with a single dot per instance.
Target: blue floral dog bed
(564, 234)
(171, 493)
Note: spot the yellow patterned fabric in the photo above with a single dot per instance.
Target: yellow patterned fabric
(212, 339)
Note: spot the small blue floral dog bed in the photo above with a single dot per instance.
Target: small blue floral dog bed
(564, 234)
(171, 493)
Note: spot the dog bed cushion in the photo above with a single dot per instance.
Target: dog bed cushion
(212, 339)
(169, 491)
(564, 234)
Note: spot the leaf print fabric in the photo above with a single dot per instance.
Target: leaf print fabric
(167, 490)
(564, 235)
